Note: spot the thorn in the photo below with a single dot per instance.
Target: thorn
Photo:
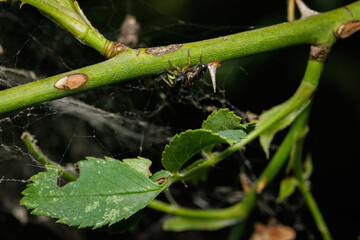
(305, 11)
(212, 66)
(291, 10)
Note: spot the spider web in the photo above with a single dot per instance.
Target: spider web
(122, 120)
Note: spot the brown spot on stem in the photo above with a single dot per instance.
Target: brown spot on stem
(319, 52)
(158, 51)
(71, 81)
(111, 49)
(349, 11)
(245, 182)
(348, 28)
(261, 185)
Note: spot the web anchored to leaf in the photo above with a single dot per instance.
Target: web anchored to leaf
(106, 192)
(109, 190)
(138, 118)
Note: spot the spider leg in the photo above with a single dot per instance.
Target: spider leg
(179, 69)
(167, 82)
(189, 62)
(172, 72)
(198, 63)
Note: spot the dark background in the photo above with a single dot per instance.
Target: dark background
(33, 43)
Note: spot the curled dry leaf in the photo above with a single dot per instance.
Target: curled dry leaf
(273, 232)
(348, 28)
(71, 81)
(129, 31)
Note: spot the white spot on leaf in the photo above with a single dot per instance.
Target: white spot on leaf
(91, 207)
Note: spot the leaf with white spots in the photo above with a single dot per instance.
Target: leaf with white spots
(140, 164)
(106, 192)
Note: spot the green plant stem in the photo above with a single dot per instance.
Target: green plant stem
(296, 157)
(67, 14)
(30, 143)
(237, 231)
(132, 63)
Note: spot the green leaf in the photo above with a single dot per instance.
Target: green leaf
(226, 124)
(222, 120)
(287, 187)
(186, 145)
(267, 137)
(106, 192)
(182, 224)
(233, 135)
(140, 164)
(250, 126)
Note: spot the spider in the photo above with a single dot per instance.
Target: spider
(185, 75)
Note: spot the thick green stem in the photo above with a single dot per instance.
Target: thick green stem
(133, 64)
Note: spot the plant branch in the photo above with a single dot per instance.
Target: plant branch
(132, 63)
(68, 15)
(30, 143)
(295, 158)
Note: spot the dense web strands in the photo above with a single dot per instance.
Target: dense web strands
(110, 124)
(147, 115)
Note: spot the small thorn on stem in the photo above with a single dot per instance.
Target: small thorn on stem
(305, 11)
(212, 66)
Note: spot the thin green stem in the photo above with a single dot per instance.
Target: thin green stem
(132, 64)
(296, 157)
(315, 211)
(30, 143)
(68, 14)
